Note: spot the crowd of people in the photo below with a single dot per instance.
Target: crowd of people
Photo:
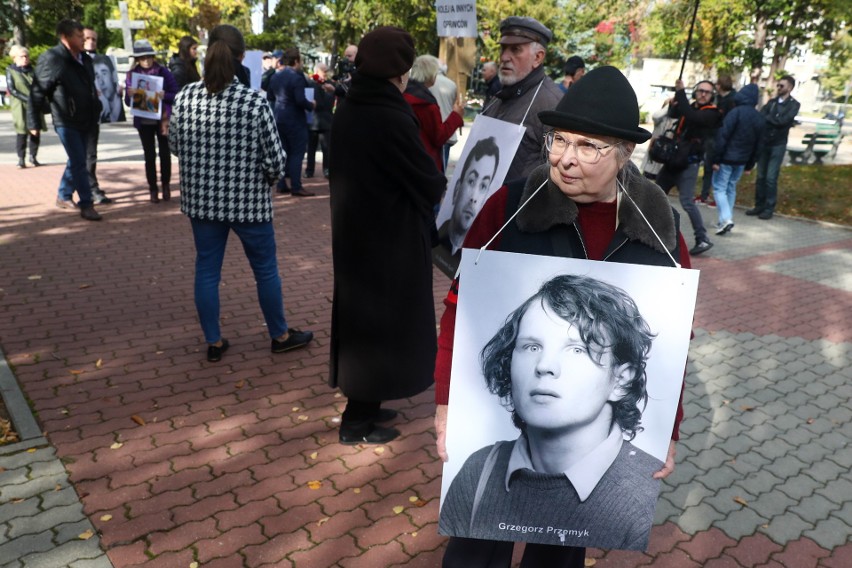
(384, 123)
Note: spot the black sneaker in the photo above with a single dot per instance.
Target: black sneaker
(21, 164)
(700, 247)
(102, 199)
(214, 354)
(295, 340)
(89, 214)
(35, 163)
(754, 211)
(765, 214)
(370, 434)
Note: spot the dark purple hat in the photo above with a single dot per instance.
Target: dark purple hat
(385, 52)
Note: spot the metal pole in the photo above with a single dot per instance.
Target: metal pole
(688, 40)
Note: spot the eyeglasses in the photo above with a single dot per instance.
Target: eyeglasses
(703, 92)
(586, 151)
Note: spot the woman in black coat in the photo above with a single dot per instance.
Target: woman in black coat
(384, 187)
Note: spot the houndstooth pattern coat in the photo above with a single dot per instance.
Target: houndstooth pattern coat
(229, 153)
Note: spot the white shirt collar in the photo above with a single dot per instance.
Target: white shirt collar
(585, 475)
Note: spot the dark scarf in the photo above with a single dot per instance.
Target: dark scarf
(419, 90)
(551, 207)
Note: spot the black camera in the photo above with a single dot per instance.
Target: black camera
(344, 68)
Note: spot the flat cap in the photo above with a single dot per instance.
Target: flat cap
(522, 29)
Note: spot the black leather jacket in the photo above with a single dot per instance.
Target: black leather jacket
(69, 85)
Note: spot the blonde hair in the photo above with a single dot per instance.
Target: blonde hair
(17, 50)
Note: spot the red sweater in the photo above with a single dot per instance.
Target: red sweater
(597, 224)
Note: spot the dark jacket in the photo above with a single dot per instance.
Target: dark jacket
(698, 124)
(287, 93)
(184, 71)
(384, 187)
(324, 108)
(170, 89)
(726, 103)
(740, 138)
(434, 132)
(780, 117)
(69, 85)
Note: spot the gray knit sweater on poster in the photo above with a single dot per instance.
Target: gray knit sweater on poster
(545, 509)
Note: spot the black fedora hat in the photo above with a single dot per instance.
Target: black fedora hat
(602, 103)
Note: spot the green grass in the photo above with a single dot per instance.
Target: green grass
(822, 193)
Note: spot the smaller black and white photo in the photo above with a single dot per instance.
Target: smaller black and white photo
(480, 171)
(106, 83)
(566, 378)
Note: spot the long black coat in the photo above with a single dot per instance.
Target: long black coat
(384, 187)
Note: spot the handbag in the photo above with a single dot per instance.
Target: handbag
(671, 149)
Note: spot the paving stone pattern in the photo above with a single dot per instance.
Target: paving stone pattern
(173, 460)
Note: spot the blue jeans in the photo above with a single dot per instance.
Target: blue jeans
(75, 175)
(766, 186)
(685, 182)
(295, 142)
(258, 241)
(725, 190)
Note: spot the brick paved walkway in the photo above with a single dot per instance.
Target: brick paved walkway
(178, 461)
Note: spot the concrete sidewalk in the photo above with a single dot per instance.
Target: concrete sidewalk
(170, 461)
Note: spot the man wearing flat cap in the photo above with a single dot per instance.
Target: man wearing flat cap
(526, 89)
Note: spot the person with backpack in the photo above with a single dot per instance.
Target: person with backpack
(697, 122)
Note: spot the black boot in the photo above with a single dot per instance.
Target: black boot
(167, 192)
(154, 198)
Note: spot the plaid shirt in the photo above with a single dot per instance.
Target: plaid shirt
(229, 153)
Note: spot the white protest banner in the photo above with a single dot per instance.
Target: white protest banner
(456, 18)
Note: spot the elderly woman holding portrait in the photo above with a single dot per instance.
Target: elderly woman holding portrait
(588, 201)
(434, 132)
(384, 187)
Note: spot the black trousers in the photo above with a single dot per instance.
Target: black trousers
(21, 145)
(474, 553)
(317, 138)
(92, 157)
(360, 412)
(151, 137)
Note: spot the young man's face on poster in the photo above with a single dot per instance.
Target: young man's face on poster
(557, 385)
(472, 191)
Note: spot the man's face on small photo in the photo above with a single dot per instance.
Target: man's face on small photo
(557, 385)
(103, 80)
(472, 190)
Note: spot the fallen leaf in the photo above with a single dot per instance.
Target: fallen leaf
(379, 451)
(57, 487)
(589, 562)
(76, 372)
(356, 490)
(106, 518)
(323, 521)
(64, 411)
(99, 363)
(116, 445)
(338, 395)
(138, 419)
(414, 534)
(296, 409)
(314, 484)
(420, 503)
(413, 499)
(31, 450)
(86, 535)
(810, 420)
(398, 509)
(741, 501)
(84, 286)
(302, 417)
(193, 565)
(240, 384)
(746, 408)
(17, 500)
(34, 277)
(314, 455)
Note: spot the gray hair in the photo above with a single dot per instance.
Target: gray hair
(425, 69)
(17, 50)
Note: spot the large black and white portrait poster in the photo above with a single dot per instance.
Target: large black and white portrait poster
(109, 92)
(566, 377)
(480, 171)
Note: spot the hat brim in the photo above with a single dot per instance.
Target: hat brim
(516, 40)
(576, 123)
(145, 54)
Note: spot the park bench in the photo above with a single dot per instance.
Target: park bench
(824, 142)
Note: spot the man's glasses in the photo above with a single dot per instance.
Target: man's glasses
(703, 92)
(586, 151)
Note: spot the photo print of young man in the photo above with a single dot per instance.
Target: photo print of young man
(565, 382)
